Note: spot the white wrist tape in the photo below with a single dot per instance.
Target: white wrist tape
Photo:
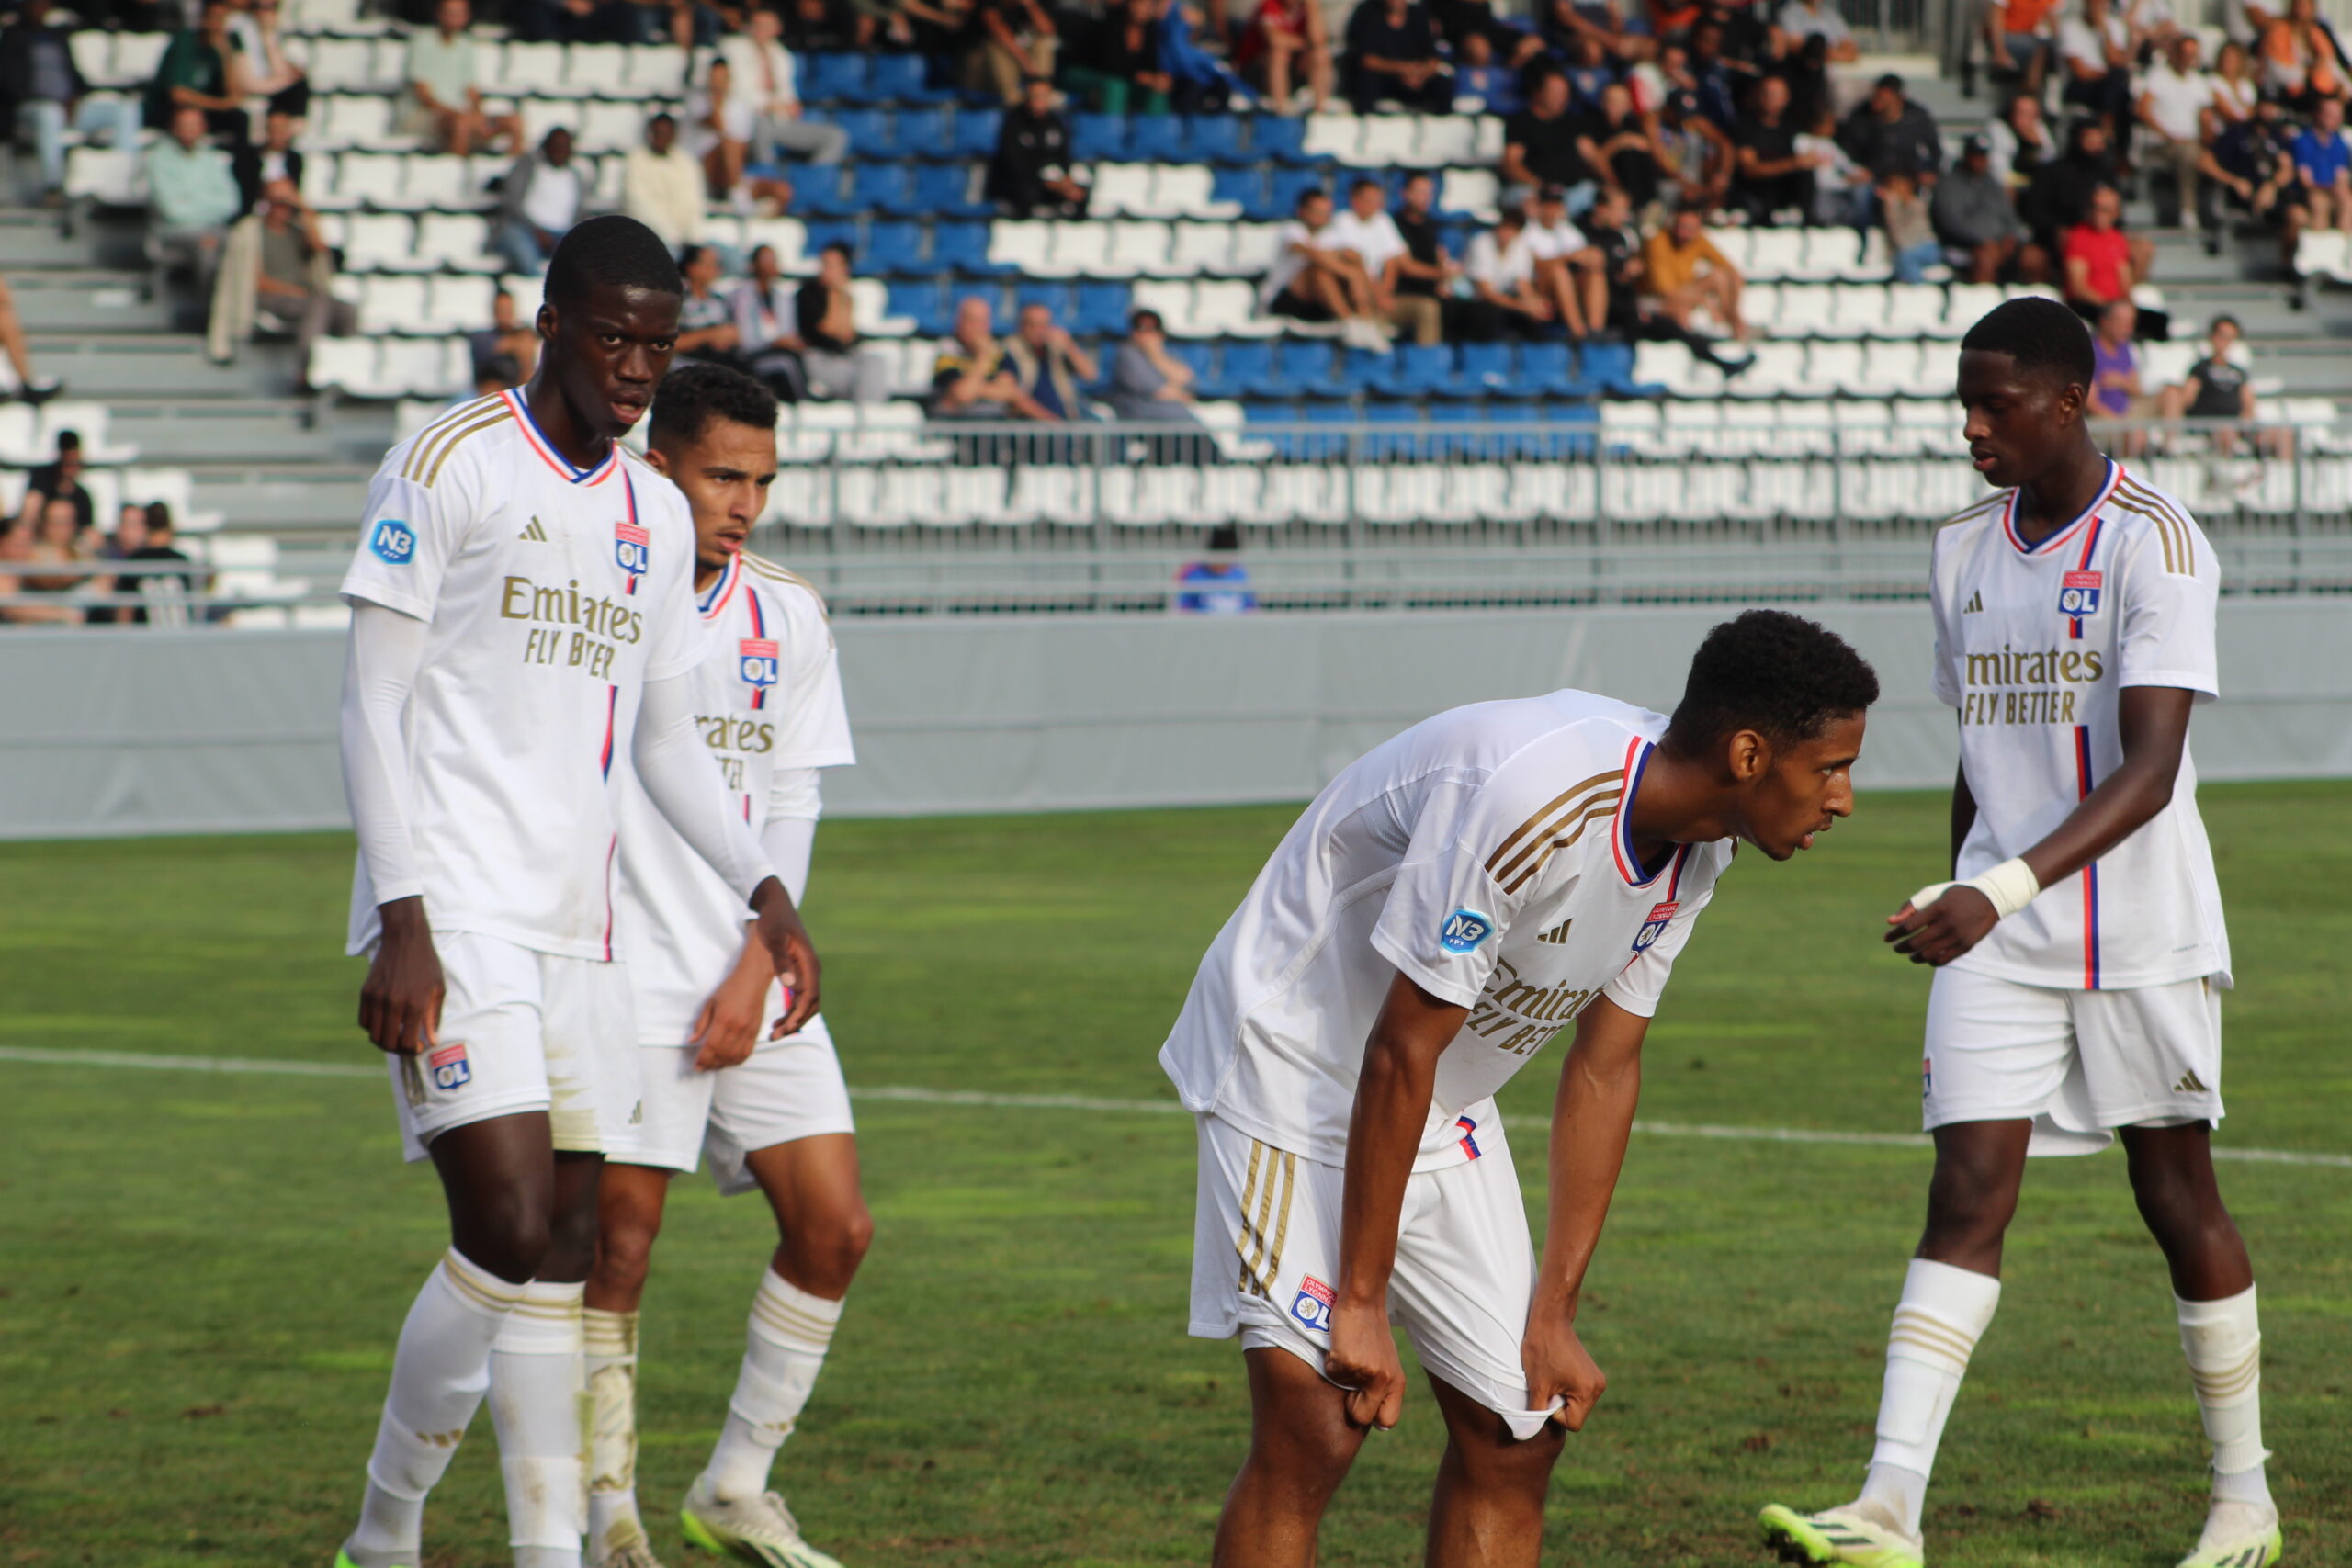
(2011, 886)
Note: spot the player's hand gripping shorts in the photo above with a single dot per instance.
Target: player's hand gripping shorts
(785, 1091)
(2078, 1063)
(522, 1030)
(1266, 1254)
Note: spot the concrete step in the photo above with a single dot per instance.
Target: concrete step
(160, 364)
(325, 500)
(250, 431)
(88, 300)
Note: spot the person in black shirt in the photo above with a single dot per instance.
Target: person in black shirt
(1393, 54)
(2218, 388)
(1031, 175)
(1420, 275)
(166, 592)
(1622, 146)
(1116, 62)
(1613, 257)
(1887, 133)
(276, 159)
(1540, 144)
(1770, 175)
(60, 480)
(1459, 20)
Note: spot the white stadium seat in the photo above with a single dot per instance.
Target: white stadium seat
(390, 304)
(1121, 189)
(457, 304)
(1256, 247)
(597, 71)
(1474, 191)
(1202, 249)
(657, 71)
(1186, 190)
(1334, 135)
(1172, 302)
(381, 242)
(1139, 248)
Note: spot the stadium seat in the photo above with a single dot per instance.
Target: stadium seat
(1913, 310)
(1231, 309)
(1831, 370)
(332, 65)
(597, 71)
(390, 304)
(1283, 188)
(924, 302)
(868, 130)
(352, 119)
(1476, 192)
(894, 248)
(1201, 249)
(1547, 370)
(530, 70)
(1303, 367)
(457, 304)
(1121, 189)
(1256, 247)
(1076, 249)
(1097, 138)
(439, 183)
(899, 78)
(1057, 298)
(919, 133)
(820, 190)
(1485, 370)
(963, 248)
(657, 72)
(1186, 190)
(831, 78)
(1333, 136)
(1214, 138)
(1155, 137)
(380, 243)
(1609, 366)
(788, 237)
(1173, 301)
(1246, 371)
(1100, 310)
(888, 187)
(457, 242)
(1020, 246)
(1138, 248)
(976, 130)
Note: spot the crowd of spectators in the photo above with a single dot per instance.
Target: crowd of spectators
(56, 529)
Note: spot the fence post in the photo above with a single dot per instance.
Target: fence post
(2301, 515)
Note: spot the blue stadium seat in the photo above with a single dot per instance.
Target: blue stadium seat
(1485, 372)
(886, 187)
(940, 191)
(1423, 369)
(963, 248)
(1198, 356)
(1246, 186)
(819, 189)
(1463, 444)
(927, 302)
(1362, 370)
(1247, 367)
(1546, 370)
(1317, 448)
(976, 130)
(1216, 139)
(1285, 443)
(1155, 139)
(1304, 366)
(1097, 138)
(922, 133)
(1401, 443)
(1609, 366)
(827, 231)
(1282, 189)
(1572, 429)
(1278, 138)
(895, 248)
(830, 78)
(1054, 297)
(1101, 310)
(868, 131)
(899, 79)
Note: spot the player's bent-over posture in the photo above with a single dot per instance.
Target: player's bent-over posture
(522, 620)
(2080, 961)
(1452, 900)
(768, 701)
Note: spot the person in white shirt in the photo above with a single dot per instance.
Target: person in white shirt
(1504, 301)
(1314, 279)
(538, 204)
(2176, 105)
(1552, 240)
(1365, 231)
(662, 186)
(764, 79)
(1451, 902)
(771, 1115)
(2094, 49)
(522, 622)
(1801, 20)
(2080, 957)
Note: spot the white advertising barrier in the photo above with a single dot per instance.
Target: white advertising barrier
(151, 731)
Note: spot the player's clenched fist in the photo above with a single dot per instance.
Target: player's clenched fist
(781, 935)
(1364, 1360)
(400, 1003)
(1559, 1369)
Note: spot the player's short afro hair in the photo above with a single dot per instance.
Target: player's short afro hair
(1781, 676)
(610, 252)
(2040, 334)
(693, 395)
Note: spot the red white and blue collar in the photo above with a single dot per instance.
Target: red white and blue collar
(714, 599)
(539, 443)
(1638, 752)
(2009, 514)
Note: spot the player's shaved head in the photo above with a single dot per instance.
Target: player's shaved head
(2042, 337)
(1784, 677)
(692, 396)
(612, 251)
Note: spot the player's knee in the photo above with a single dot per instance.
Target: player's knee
(507, 1236)
(624, 1255)
(1493, 1461)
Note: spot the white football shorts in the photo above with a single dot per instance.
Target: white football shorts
(522, 1030)
(1266, 1252)
(785, 1091)
(2079, 1064)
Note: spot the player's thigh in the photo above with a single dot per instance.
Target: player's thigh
(1265, 1245)
(2152, 1053)
(1465, 1275)
(589, 1033)
(1995, 1050)
(489, 1061)
(785, 1093)
(672, 1113)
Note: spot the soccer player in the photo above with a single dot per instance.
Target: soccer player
(523, 617)
(2080, 957)
(767, 698)
(1451, 901)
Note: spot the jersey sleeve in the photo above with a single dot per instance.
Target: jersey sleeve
(2172, 588)
(412, 529)
(1940, 679)
(814, 729)
(1640, 984)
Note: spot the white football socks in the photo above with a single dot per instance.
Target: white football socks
(440, 1372)
(1944, 1311)
(2223, 1343)
(611, 1340)
(785, 1350)
(536, 1395)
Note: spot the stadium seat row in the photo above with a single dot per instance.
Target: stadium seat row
(113, 489)
(29, 435)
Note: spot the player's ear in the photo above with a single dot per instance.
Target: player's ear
(658, 460)
(545, 321)
(1748, 755)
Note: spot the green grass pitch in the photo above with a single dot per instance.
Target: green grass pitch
(201, 1276)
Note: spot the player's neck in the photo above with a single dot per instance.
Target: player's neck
(706, 575)
(581, 447)
(2061, 494)
(1676, 803)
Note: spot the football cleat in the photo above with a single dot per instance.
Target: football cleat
(758, 1530)
(343, 1558)
(1860, 1535)
(623, 1546)
(2237, 1535)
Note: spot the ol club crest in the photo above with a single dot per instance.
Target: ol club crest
(758, 661)
(1655, 926)
(632, 548)
(2078, 595)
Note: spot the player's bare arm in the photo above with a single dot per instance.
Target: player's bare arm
(786, 941)
(1592, 1117)
(728, 1027)
(1384, 1132)
(400, 1002)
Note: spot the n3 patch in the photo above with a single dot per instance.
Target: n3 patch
(2078, 593)
(1654, 926)
(1463, 930)
(392, 542)
(449, 1067)
(1313, 1306)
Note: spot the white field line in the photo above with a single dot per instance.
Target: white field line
(977, 1098)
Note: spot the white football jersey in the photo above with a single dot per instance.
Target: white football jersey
(1483, 854)
(2034, 646)
(767, 696)
(552, 594)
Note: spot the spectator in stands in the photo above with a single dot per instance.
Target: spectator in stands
(719, 126)
(2300, 60)
(1540, 146)
(1812, 95)
(706, 318)
(1590, 71)
(1151, 386)
(1459, 21)
(1009, 43)
(1283, 42)
(29, 385)
(2177, 107)
(1553, 240)
(2019, 141)
(258, 64)
(1422, 274)
(442, 102)
(832, 26)
(1621, 146)
(194, 73)
(277, 272)
(1114, 62)
(191, 198)
(129, 535)
(662, 188)
(1032, 175)
(1365, 238)
(1483, 86)
(1313, 279)
(275, 158)
(1801, 20)
(2095, 46)
(1049, 366)
(2103, 264)
(1699, 157)
(1623, 35)
(2059, 194)
(1973, 214)
(1707, 73)
(21, 550)
(833, 361)
(1770, 176)
(538, 204)
(506, 352)
(2255, 162)
(60, 479)
(1504, 302)
(1219, 585)
(2115, 381)
(167, 593)
(58, 540)
(2234, 88)
(1887, 132)
(42, 95)
(2017, 40)
(767, 327)
(1683, 274)
(764, 76)
(2324, 163)
(1910, 232)
(1751, 45)
(970, 378)
(2219, 387)
(1392, 56)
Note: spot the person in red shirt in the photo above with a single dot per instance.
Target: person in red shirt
(2104, 264)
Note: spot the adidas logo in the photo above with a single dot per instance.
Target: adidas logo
(2190, 1083)
(1558, 933)
(534, 534)
(1975, 601)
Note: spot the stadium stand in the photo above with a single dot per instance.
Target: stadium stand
(1445, 473)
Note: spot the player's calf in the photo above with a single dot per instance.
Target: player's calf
(1301, 1447)
(1490, 1486)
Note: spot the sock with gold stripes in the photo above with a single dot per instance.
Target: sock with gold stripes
(438, 1375)
(2223, 1343)
(611, 1340)
(1944, 1311)
(535, 1397)
(785, 1348)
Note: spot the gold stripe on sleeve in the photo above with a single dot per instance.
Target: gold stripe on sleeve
(1538, 821)
(430, 439)
(1566, 836)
